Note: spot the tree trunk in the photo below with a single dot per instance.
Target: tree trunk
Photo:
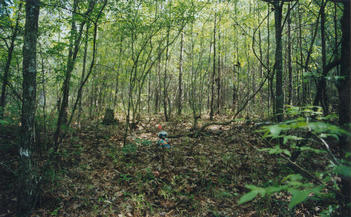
(270, 79)
(219, 71)
(75, 39)
(321, 97)
(92, 64)
(165, 92)
(83, 72)
(344, 88)
(43, 95)
(302, 69)
(214, 68)
(290, 87)
(180, 79)
(158, 87)
(279, 95)
(27, 180)
(119, 69)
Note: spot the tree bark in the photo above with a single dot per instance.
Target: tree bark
(180, 79)
(279, 94)
(303, 83)
(344, 88)
(214, 68)
(321, 95)
(165, 76)
(290, 86)
(27, 192)
(83, 71)
(219, 70)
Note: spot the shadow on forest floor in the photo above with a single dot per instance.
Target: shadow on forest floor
(203, 176)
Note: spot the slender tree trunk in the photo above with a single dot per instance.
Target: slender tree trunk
(290, 87)
(158, 87)
(43, 80)
(92, 64)
(148, 92)
(321, 95)
(119, 69)
(214, 68)
(270, 79)
(302, 69)
(27, 180)
(180, 79)
(6, 75)
(219, 71)
(62, 118)
(75, 38)
(279, 95)
(83, 71)
(165, 92)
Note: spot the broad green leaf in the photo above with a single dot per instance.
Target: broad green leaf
(298, 197)
(287, 152)
(274, 130)
(247, 197)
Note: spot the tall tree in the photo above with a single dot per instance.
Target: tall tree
(321, 95)
(74, 45)
(214, 67)
(180, 78)
(278, 66)
(27, 179)
(344, 88)
(290, 85)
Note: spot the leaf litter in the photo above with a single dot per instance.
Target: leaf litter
(198, 176)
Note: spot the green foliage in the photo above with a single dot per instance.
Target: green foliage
(299, 191)
(309, 122)
(343, 169)
(143, 142)
(276, 150)
(129, 148)
(124, 178)
(3, 122)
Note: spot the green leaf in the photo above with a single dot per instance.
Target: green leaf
(248, 197)
(298, 197)
(343, 170)
(289, 137)
(287, 152)
(274, 130)
(306, 148)
(3, 122)
(293, 177)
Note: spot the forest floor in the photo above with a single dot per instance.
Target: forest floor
(197, 176)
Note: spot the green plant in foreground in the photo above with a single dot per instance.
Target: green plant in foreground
(290, 133)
